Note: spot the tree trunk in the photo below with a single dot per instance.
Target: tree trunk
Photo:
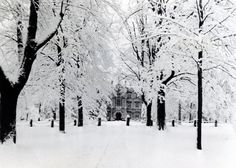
(179, 114)
(40, 111)
(148, 111)
(62, 105)
(61, 63)
(9, 92)
(199, 74)
(190, 117)
(54, 115)
(199, 121)
(62, 114)
(161, 111)
(62, 91)
(149, 114)
(161, 102)
(8, 103)
(80, 112)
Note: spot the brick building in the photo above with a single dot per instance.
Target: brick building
(124, 102)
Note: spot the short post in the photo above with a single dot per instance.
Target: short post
(127, 120)
(195, 123)
(151, 122)
(173, 123)
(39, 119)
(99, 121)
(216, 123)
(75, 122)
(52, 123)
(31, 123)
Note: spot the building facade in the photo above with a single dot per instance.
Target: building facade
(124, 102)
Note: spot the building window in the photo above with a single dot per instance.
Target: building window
(118, 102)
(129, 95)
(113, 102)
(129, 104)
(129, 113)
(137, 104)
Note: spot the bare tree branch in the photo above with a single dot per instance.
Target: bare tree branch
(136, 74)
(169, 78)
(51, 35)
(220, 22)
(226, 36)
(184, 73)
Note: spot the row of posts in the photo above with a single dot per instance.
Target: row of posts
(127, 122)
(194, 123)
(99, 122)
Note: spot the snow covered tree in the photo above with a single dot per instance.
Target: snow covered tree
(135, 23)
(209, 25)
(79, 56)
(202, 27)
(27, 53)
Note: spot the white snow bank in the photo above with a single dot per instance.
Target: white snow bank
(113, 145)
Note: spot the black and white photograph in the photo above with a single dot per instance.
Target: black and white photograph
(117, 83)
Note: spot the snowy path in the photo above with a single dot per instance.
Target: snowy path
(116, 146)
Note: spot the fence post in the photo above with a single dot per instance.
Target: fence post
(127, 120)
(31, 123)
(52, 123)
(99, 121)
(173, 123)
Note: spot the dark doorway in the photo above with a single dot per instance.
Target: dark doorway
(118, 116)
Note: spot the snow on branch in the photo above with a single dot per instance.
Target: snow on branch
(131, 69)
(220, 22)
(177, 23)
(223, 69)
(223, 37)
(51, 35)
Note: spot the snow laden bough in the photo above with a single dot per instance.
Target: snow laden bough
(9, 91)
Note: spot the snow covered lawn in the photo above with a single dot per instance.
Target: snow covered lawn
(113, 145)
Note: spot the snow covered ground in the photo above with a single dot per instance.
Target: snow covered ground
(113, 145)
